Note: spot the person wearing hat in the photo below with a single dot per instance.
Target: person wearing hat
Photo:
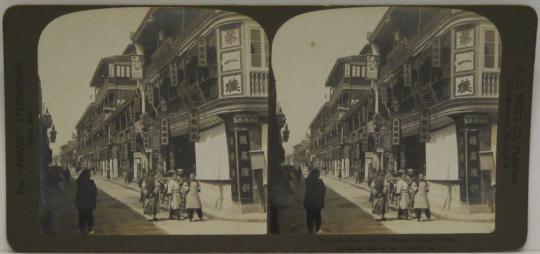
(421, 201)
(402, 191)
(413, 187)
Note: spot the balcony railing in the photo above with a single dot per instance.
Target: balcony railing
(490, 84)
(258, 83)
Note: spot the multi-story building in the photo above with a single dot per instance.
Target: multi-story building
(98, 129)
(201, 106)
(433, 108)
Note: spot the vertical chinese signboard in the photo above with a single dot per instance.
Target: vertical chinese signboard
(240, 166)
(473, 166)
(193, 126)
(137, 67)
(231, 144)
(372, 63)
(244, 166)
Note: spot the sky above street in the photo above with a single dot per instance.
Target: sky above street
(305, 50)
(69, 50)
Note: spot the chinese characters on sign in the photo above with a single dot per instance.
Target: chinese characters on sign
(164, 131)
(464, 85)
(201, 52)
(436, 53)
(137, 67)
(193, 126)
(372, 67)
(230, 38)
(465, 38)
(232, 84)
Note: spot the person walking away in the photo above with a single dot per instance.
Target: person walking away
(151, 196)
(291, 179)
(380, 192)
(85, 202)
(402, 190)
(314, 201)
(175, 197)
(421, 201)
(193, 201)
(140, 183)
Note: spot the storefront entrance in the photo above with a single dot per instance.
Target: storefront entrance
(183, 153)
(414, 153)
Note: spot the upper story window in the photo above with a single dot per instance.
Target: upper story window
(122, 71)
(492, 49)
(259, 48)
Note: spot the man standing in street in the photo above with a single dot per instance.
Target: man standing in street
(314, 201)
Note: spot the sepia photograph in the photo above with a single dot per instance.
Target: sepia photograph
(388, 120)
(153, 122)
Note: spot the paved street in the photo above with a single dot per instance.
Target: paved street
(119, 212)
(348, 211)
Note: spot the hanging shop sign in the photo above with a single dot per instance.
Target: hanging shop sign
(396, 132)
(372, 64)
(436, 52)
(150, 94)
(231, 61)
(201, 53)
(383, 93)
(146, 141)
(173, 74)
(193, 126)
(164, 131)
(424, 126)
(364, 140)
(387, 139)
(407, 73)
(133, 142)
(232, 84)
(230, 37)
(464, 61)
(111, 70)
(464, 38)
(464, 85)
(137, 67)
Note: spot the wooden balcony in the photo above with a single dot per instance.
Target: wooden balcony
(490, 84)
(258, 83)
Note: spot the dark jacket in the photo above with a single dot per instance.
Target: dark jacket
(315, 192)
(86, 192)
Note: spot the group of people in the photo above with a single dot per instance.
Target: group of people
(181, 194)
(410, 194)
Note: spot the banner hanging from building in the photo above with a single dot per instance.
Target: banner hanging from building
(372, 63)
(407, 79)
(244, 165)
(436, 52)
(164, 131)
(137, 67)
(173, 74)
(193, 125)
(201, 53)
(396, 133)
(233, 166)
(424, 126)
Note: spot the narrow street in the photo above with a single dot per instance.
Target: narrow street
(119, 212)
(348, 211)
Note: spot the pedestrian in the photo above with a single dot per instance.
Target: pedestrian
(421, 201)
(314, 201)
(291, 179)
(140, 183)
(151, 193)
(298, 175)
(193, 201)
(184, 188)
(411, 180)
(380, 193)
(175, 197)
(402, 191)
(85, 202)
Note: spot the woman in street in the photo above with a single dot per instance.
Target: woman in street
(193, 201)
(85, 201)
(380, 193)
(421, 201)
(175, 197)
(151, 195)
(314, 201)
(402, 190)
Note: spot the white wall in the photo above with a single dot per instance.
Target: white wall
(441, 155)
(211, 154)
